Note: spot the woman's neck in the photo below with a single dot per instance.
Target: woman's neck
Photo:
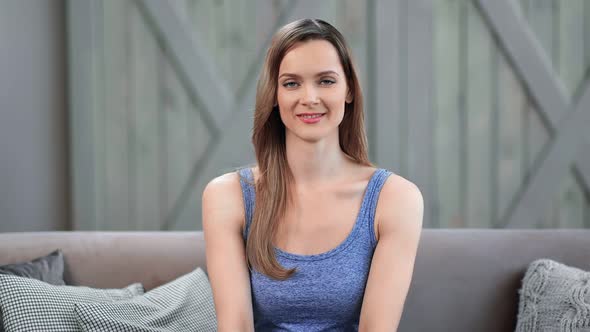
(316, 163)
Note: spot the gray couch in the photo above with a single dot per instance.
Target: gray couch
(464, 280)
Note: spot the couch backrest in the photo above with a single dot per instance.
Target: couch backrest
(111, 259)
(464, 280)
(468, 280)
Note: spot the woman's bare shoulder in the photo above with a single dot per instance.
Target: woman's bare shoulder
(222, 200)
(400, 205)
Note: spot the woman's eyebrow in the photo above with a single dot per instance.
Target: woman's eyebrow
(325, 72)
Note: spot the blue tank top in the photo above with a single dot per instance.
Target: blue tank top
(326, 292)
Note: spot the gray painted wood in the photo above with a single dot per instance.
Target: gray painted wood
(495, 133)
(443, 106)
(232, 149)
(197, 68)
(571, 46)
(555, 164)
(420, 151)
(118, 205)
(84, 48)
(479, 104)
(447, 94)
(145, 114)
(587, 35)
(386, 115)
(175, 108)
(540, 16)
(513, 32)
(583, 158)
(519, 43)
(510, 140)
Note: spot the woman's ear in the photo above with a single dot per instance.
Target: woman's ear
(349, 97)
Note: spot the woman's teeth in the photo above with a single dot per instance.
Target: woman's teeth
(311, 116)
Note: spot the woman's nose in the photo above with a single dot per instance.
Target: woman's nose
(310, 96)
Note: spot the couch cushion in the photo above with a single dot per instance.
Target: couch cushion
(554, 297)
(184, 304)
(33, 305)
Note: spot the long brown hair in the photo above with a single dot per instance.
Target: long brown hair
(275, 178)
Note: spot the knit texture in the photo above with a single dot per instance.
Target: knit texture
(554, 297)
(327, 290)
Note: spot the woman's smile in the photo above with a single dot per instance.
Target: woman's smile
(310, 118)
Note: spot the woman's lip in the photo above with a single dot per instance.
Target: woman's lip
(311, 120)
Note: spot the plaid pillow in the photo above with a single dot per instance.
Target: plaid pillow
(33, 305)
(184, 304)
(49, 268)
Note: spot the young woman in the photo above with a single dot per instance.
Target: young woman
(313, 238)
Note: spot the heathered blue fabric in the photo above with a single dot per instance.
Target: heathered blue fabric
(326, 292)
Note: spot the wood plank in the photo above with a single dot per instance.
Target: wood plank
(540, 17)
(351, 18)
(583, 169)
(525, 54)
(85, 49)
(512, 102)
(549, 93)
(186, 48)
(117, 191)
(539, 14)
(463, 115)
(495, 216)
(200, 138)
(386, 116)
(446, 47)
(145, 53)
(419, 100)
(587, 35)
(571, 203)
(557, 162)
(571, 46)
(571, 200)
(189, 200)
(536, 139)
(353, 23)
(403, 89)
(479, 109)
(178, 162)
(247, 52)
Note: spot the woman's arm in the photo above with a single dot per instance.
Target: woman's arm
(399, 222)
(223, 219)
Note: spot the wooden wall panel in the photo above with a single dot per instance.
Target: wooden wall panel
(118, 207)
(479, 107)
(571, 62)
(445, 106)
(447, 93)
(146, 57)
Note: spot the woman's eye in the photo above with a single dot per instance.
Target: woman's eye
(290, 84)
(327, 82)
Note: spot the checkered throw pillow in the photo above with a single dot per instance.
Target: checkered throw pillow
(32, 305)
(184, 304)
(49, 268)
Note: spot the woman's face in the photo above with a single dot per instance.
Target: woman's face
(312, 91)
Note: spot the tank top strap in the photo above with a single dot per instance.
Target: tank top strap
(249, 196)
(372, 197)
